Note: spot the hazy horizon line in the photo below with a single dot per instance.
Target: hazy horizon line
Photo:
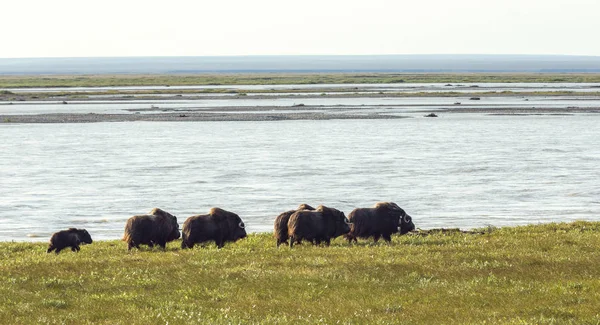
(297, 55)
(425, 63)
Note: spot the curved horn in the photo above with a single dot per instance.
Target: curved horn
(406, 218)
(347, 221)
(242, 225)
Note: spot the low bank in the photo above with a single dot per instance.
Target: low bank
(531, 274)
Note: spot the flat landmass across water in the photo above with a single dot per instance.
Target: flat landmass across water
(460, 95)
(287, 78)
(538, 274)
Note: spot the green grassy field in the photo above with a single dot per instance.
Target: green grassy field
(541, 274)
(275, 78)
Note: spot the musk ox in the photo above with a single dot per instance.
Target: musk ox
(71, 237)
(280, 227)
(218, 225)
(322, 224)
(382, 220)
(156, 228)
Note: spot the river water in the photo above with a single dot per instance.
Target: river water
(462, 170)
(400, 87)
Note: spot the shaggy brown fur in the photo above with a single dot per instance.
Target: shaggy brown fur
(382, 220)
(280, 227)
(156, 228)
(323, 224)
(69, 238)
(218, 225)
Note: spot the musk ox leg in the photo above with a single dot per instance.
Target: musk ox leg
(376, 237)
(295, 240)
(151, 244)
(188, 242)
(327, 242)
(162, 244)
(279, 242)
(292, 241)
(58, 250)
(387, 238)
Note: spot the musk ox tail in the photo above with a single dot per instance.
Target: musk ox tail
(281, 229)
(127, 234)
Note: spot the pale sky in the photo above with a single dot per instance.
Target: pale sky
(79, 28)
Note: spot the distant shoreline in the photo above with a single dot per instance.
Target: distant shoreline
(249, 116)
(182, 117)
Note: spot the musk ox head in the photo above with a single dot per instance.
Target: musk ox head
(392, 210)
(169, 219)
(340, 223)
(82, 234)
(235, 225)
(406, 224)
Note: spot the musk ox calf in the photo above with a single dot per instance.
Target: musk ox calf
(280, 227)
(316, 226)
(69, 238)
(156, 228)
(382, 220)
(218, 225)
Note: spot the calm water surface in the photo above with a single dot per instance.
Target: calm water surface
(462, 170)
